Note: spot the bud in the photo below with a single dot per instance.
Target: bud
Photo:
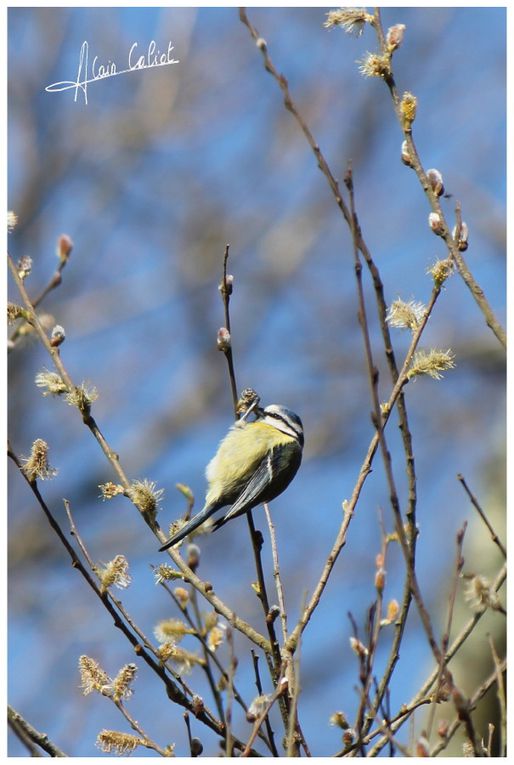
(24, 267)
(422, 748)
(432, 363)
(15, 312)
(224, 341)
(392, 610)
(348, 737)
(373, 65)
(272, 614)
(226, 285)
(182, 595)
(12, 220)
(351, 20)
(37, 465)
(114, 573)
(187, 493)
(462, 242)
(441, 270)
(339, 720)
(442, 728)
(358, 648)
(436, 181)
(249, 401)
(58, 336)
(395, 36)
(193, 557)
(435, 222)
(467, 749)
(408, 107)
(261, 44)
(197, 705)
(406, 159)
(196, 747)
(380, 580)
(442, 693)
(257, 707)
(64, 247)
(121, 685)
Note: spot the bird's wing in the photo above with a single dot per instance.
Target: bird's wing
(250, 496)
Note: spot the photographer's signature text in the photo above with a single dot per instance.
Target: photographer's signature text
(150, 59)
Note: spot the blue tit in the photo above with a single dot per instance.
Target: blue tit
(254, 463)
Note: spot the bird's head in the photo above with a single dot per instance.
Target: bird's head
(285, 420)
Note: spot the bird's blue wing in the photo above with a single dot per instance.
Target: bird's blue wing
(253, 491)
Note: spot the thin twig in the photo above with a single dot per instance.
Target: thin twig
(22, 736)
(189, 736)
(490, 734)
(226, 291)
(230, 694)
(276, 571)
(54, 282)
(146, 740)
(478, 508)
(500, 685)
(21, 726)
(279, 690)
(459, 563)
(207, 655)
(258, 685)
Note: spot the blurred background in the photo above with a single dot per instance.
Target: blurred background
(151, 178)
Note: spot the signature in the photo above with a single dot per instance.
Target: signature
(136, 61)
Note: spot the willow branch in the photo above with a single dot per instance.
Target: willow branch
(27, 733)
(478, 508)
(433, 199)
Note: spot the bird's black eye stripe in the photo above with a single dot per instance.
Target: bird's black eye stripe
(287, 423)
(282, 419)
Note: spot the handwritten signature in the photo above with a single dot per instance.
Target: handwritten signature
(151, 59)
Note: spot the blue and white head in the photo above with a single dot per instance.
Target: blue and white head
(285, 420)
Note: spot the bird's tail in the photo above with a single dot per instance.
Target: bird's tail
(190, 526)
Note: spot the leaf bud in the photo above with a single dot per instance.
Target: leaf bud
(436, 181)
(196, 747)
(64, 247)
(223, 341)
(193, 557)
(435, 222)
(58, 336)
(395, 36)
(24, 267)
(408, 107)
(462, 242)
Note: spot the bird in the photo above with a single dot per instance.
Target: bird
(254, 463)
